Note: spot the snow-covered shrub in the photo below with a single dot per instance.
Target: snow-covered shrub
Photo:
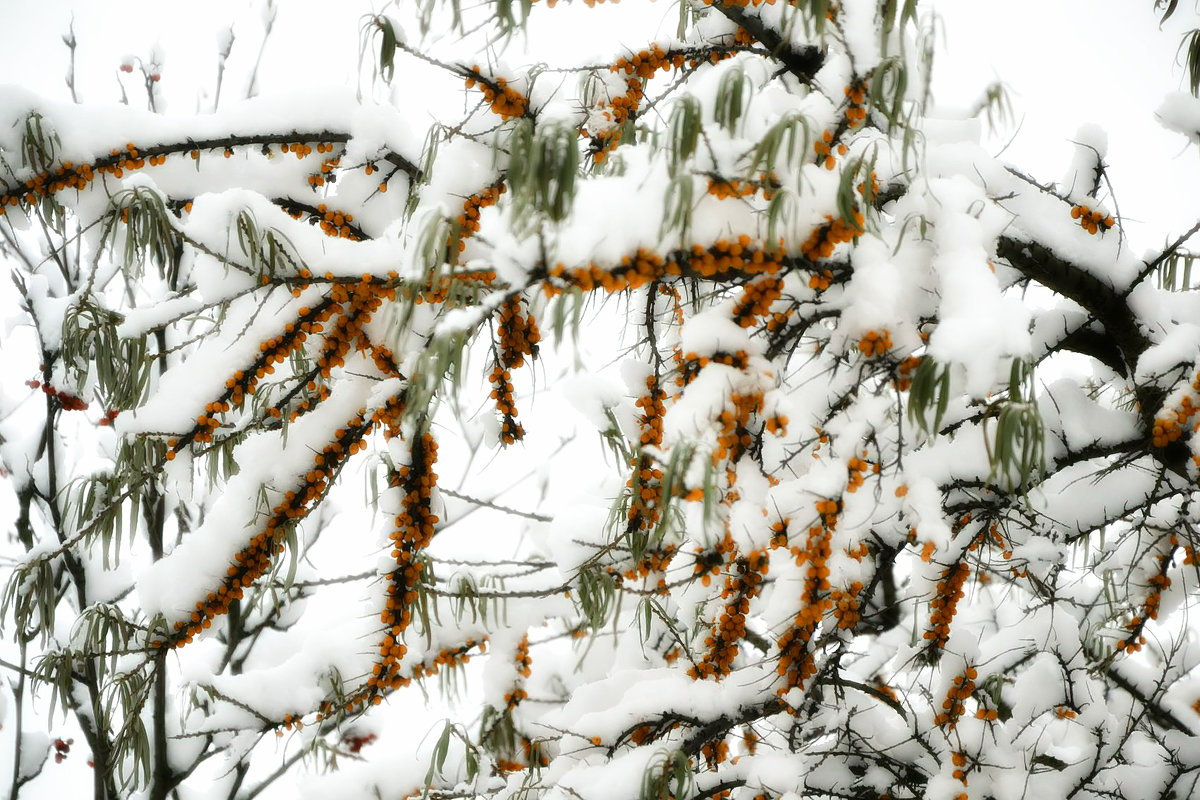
(721, 392)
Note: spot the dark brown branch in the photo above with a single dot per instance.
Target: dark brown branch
(1105, 303)
(1087, 341)
(803, 63)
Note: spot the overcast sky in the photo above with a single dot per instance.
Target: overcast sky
(1070, 62)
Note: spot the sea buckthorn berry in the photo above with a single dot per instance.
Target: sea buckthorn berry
(1091, 221)
(875, 343)
(905, 371)
(756, 300)
(504, 101)
(724, 189)
(824, 238)
(944, 605)
(742, 584)
(953, 706)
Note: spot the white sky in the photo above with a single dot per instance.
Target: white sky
(1103, 61)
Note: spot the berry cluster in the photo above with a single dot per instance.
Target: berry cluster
(652, 561)
(326, 170)
(739, 3)
(724, 259)
(505, 101)
(714, 753)
(646, 482)
(468, 220)
(447, 657)
(645, 63)
(1158, 583)
(69, 175)
(633, 272)
(518, 333)
(743, 37)
(779, 533)
(62, 749)
(1091, 221)
(987, 714)
(1062, 712)
(776, 425)
(945, 604)
(959, 760)
(438, 289)
(725, 188)
(1168, 426)
(824, 238)
(647, 732)
(873, 189)
(796, 662)
(412, 531)
(519, 337)
(355, 304)
(511, 431)
(129, 159)
(693, 363)
(756, 300)
(336, 224)
(856, 97)
(67, 402)
(905, 371)
(638, 68)
(749, 740)
(820, 281)
(856, 469)
(532, 753)
(875, 343)
(733, 434)
(300, 150)
(846, 605)
(727, 258)
(709, 562)
(275, 350)
(523, 664)
(45, 184)
(742, 584)
(962, 687)
(825, 149)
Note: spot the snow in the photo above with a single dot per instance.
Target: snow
(1180, 112)
(1052, 577)
(1091, 146)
